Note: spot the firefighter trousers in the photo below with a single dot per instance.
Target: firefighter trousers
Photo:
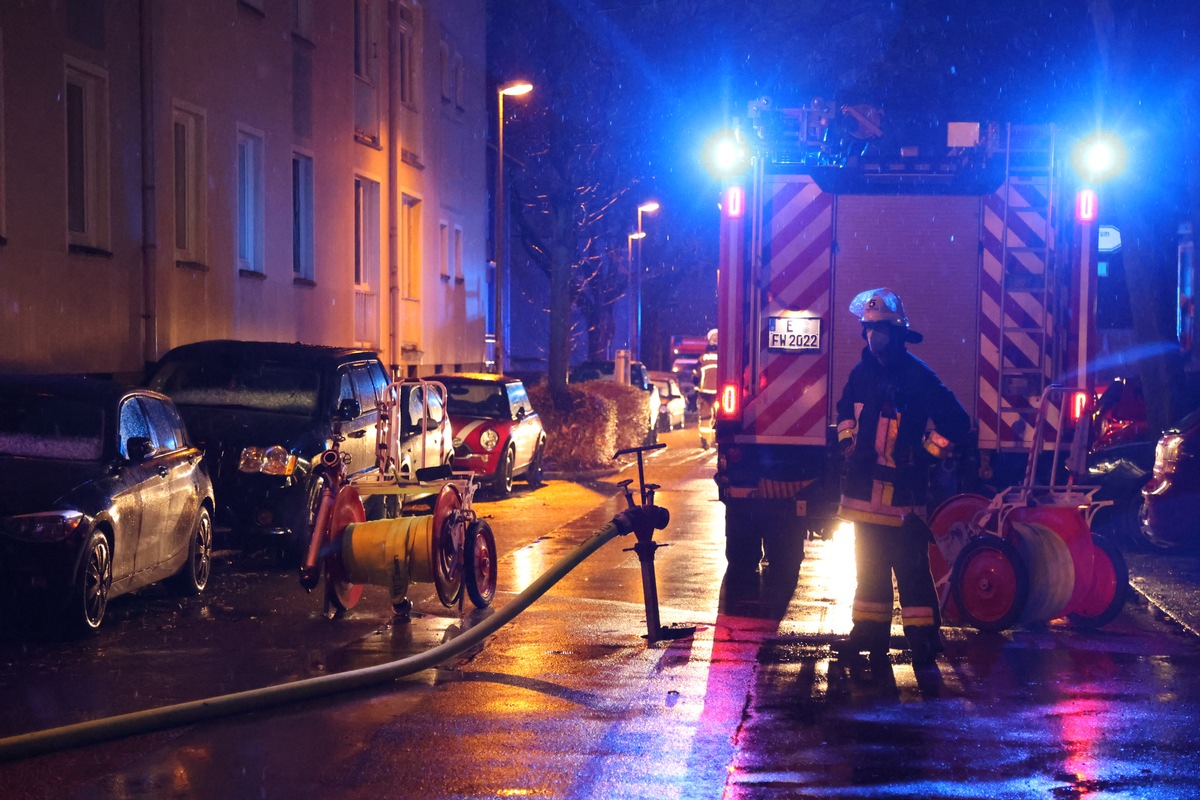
(880, 550)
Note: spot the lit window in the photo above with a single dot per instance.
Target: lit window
(250, 201)
(86, 104)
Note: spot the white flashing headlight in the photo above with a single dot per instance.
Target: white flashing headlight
(489, 439)
(1166, 454)
(274, 460)
(45, 526)
(1099, 157)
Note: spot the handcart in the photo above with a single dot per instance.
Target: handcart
(431, 533)
(1028, 554)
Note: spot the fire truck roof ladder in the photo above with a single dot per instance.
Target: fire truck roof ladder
(1026, 275)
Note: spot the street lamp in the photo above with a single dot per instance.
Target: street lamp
(635, 341)
(511, 89)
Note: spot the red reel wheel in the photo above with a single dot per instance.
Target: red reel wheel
(990, 583)
(340, 594)
(446, 542)
(950, 524)
(1108, 588)
(479, 568)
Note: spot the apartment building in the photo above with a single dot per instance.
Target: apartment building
(286, 170)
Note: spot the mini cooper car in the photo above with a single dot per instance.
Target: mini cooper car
(264, 411)
(672, 403)
(497, 434)
(103, 494)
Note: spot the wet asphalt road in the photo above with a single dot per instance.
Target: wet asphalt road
(568, 700)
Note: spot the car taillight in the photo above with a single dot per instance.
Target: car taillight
(1079, 404)
(1166, 454)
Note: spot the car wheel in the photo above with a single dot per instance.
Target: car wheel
(192, 577)
(536, 474)
(89, 600)
(479, 564)
(502, 483)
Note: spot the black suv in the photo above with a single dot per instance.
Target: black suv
(262, 412)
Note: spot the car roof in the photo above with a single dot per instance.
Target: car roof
(659, 375)
(296, 352)
(80, 386)
(473, 377)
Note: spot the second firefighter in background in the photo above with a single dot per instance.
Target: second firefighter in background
(883, 430)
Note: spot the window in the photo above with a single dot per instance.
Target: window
(458, 252)
(302, 217)
(302, 15)
(445, 69)
(366, 71)
(410, 247)
(366, 261)
(190, 223)
(459, 89)
(407, 54)
(3, 225)
(364, 386)
(444, 248)
(86, 104)
(250, 201)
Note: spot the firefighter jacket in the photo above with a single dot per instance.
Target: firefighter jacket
(883, 415)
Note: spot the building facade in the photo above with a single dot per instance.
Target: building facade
(279, 170)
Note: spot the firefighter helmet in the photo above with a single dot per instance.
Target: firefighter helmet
(883, 305)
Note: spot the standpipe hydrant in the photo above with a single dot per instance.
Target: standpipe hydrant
(642, 520)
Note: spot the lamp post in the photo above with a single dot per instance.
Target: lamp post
(511, 89)
(635, 344)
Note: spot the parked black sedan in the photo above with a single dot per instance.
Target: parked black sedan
(103, 494)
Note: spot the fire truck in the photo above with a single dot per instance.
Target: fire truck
(991, 244)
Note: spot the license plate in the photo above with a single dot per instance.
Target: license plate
(793, 333)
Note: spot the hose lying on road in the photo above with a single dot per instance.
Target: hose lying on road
(47, 741)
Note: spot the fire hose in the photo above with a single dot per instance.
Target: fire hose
(640, 519)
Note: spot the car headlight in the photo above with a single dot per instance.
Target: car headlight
(274, 460)
(489, 439)
(46, 526)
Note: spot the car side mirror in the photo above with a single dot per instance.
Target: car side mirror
(139, 448)
(520, 413)
(348, 409)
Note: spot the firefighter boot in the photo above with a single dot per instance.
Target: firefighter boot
(868, 637)
(925, 642)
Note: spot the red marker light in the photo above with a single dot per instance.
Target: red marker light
(735, 201)
(1078, 405)
(1085, 205)
(729, 400)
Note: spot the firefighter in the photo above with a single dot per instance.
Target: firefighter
(883, 415)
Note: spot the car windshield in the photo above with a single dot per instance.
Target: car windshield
(45, 426)
(262, 386)
(477, 400)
